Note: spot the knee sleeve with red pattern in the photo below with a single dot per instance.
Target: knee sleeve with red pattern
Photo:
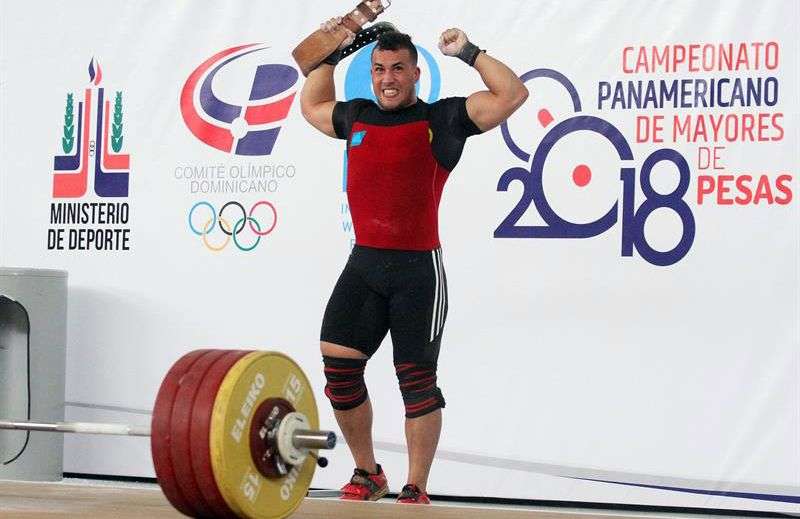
(345, 388)
(418, 387)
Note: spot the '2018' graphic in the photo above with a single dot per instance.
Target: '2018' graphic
(633, 218)
(111, 170)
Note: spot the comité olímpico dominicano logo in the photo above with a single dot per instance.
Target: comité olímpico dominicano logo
(84, 219)
(236, 102)
(250, 128)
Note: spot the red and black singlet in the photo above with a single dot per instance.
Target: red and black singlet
(397, 164)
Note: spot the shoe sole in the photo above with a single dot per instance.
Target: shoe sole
(379, 494)
(374, 497)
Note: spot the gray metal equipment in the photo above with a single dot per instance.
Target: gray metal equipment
(33, 328)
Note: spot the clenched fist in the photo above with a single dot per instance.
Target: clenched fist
(331, 26)
(452, 41)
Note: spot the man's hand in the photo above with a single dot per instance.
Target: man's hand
(452, 41)
(318, 96)
(336, 22)
(506, 93)
(331, 26)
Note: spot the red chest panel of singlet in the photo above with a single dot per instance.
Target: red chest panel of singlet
(394, 184)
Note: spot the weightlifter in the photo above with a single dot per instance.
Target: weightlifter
(400, 152)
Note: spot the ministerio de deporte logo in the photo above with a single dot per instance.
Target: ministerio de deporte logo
(80, 219)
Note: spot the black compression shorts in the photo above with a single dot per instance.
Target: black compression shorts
(380, 290)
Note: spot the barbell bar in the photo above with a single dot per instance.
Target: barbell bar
(301, 438)
(78, 427)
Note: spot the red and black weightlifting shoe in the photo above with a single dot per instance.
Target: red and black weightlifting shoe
(411, 494)
(364, 486)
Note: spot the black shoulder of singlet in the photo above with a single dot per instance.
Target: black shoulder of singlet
(345, 113)
(450, 126)
(373, 114)
(451, 114)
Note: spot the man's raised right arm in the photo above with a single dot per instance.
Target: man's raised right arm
(318, 98)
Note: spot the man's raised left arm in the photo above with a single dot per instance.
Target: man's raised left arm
(506, 93)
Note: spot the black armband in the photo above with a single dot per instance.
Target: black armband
(469, 53)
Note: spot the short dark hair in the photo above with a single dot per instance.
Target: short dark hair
(395, 40)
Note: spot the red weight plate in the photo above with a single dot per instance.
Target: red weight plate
(200, 429)
(179, 428)
(160, 439)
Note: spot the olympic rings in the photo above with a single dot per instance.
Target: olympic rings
(274, 217)
(237, 204)
(217, 248)
(216, 219)
(237, 229)
(213, 212)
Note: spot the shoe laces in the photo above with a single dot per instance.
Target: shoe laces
(360, 483)
(410, 491)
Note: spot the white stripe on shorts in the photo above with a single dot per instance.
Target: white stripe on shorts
(434, 313)
(443, 290)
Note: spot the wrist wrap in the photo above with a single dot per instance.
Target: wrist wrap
(469, 53)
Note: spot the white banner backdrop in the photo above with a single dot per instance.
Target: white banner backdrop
(622, 256)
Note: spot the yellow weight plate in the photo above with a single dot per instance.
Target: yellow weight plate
(256, 377)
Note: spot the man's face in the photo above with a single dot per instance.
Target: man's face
(393, 78)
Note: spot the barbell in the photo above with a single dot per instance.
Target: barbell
(233, 434)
